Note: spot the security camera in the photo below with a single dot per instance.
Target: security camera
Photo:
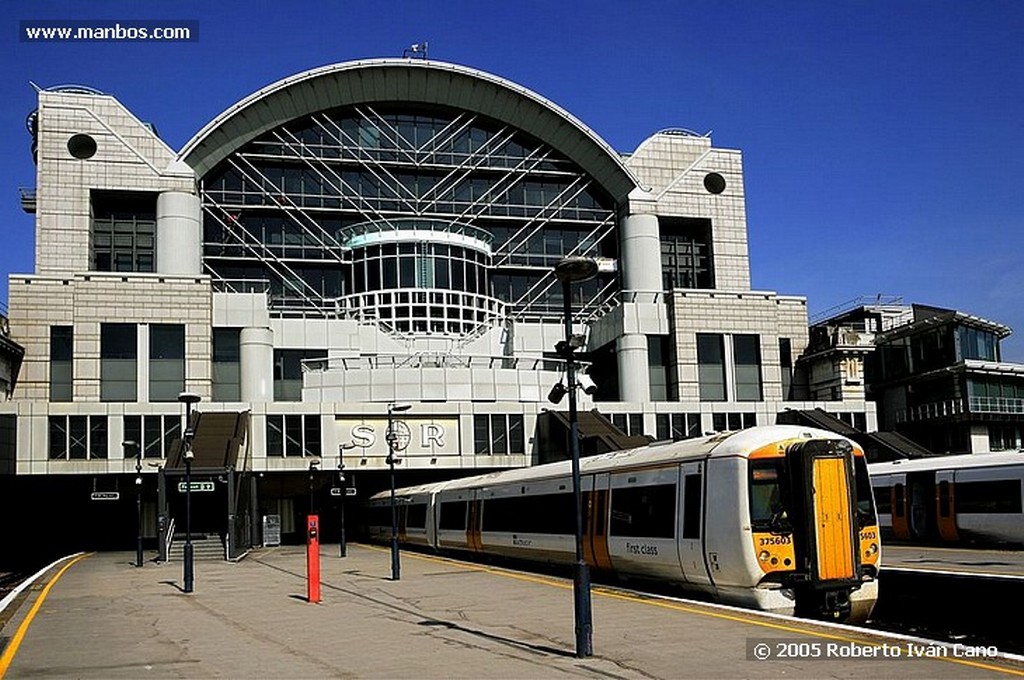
(557, 393)
(586, 383)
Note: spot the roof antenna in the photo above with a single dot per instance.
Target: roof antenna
(416, 50)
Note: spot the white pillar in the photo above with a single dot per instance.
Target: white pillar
(641, 253)
(178, 233)
(634, 372)
(256, 358)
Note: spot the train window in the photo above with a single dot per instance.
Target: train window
(898, 501)
(453, 516)
(553, 513)
(997, 496)
(644, 511)
(943, 499)
(769, 497)
(865, 508)
(691, 505)
(416, 516)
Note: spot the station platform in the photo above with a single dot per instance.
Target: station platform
(97, 615)
(992, 563)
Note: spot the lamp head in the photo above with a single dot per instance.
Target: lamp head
(557, 393)
(189, 398)
(395, 407)
(575, 268)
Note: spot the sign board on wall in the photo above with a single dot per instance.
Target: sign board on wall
(415, 437)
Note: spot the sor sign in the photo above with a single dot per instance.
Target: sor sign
(412, 436)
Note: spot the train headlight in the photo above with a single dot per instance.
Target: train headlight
(872, 549)
(764, 556)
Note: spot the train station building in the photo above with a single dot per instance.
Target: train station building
(362, 235)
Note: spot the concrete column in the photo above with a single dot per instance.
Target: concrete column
(256, 358)
(178, 233)
(641, 253)
(634, 373)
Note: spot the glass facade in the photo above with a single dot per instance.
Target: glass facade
(279, 210)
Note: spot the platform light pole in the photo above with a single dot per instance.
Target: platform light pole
(188, 398)
(132, 449)
(342, 448)
(571, 270)
(392, 439)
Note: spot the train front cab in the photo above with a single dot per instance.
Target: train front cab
(814, 526)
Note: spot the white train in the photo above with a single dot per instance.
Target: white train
(778, 518)
(975, 497)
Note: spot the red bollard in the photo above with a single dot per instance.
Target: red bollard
(313, 558)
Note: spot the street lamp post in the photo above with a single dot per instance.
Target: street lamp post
(342, 545)
(392, 439)
(188, 398)
(129, 447)
(569, 270)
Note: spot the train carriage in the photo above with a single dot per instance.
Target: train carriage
(779, 518)
(948, 499)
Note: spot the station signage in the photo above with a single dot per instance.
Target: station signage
(414, 436)
(349, 491)
(197, 486)
(104, 496)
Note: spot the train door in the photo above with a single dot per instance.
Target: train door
(945, 513)
(921, 502)
(473, 523)
(691, 523)
(595, 545)
(825, 539)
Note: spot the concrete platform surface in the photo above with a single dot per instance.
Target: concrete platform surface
(104, 618)
(1005, 562)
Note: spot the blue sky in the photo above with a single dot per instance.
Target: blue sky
(883, 141)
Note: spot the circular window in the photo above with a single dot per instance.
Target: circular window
(714, 183)
(82, 146)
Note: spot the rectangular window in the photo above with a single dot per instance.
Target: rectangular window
(118, 358)
(453, 516)
(747, 358)
(541, 514)
(658, 366)
(786, 364)
(61, 362)
(711, 366)
(227, 364)
(293, 435)
(123, 236)
(166, 361)
(155, 434)
(644, 511)
(692, 488)
(686, 254)
(498, 434)
(78, 437)
(288, 371)
(998, 496)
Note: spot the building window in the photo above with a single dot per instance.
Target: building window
(123, 231)
(731, 422)
(498, 434)
(658, 367)
(747, 360)
(786, 366)
(677, 426)
(153, 433)
(293, 435)
(977, 344)
(166, 361)
(61, 362)
(78, 437)
(118, 355)
(711, 366)
(686, 258)
(1002, 438)
(630, 423)
(288, 371)
(227, 364)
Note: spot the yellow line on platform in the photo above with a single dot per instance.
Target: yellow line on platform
(12, 648)
(675, 606)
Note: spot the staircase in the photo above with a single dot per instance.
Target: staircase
(205, 548)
